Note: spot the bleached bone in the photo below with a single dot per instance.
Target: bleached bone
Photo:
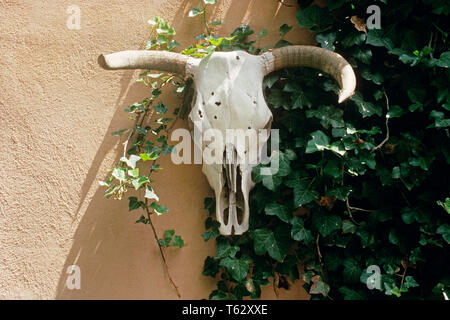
(229, 95)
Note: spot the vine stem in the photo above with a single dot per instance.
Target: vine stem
(276, 280)
(387, 126)
(161, 251)
(403, 278)
(205, 20)
(355, 208)
(125, 144)
(319, 253)
(349, 209)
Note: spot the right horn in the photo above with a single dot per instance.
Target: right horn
(144, 59)
(313, 57)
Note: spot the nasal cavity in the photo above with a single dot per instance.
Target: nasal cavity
(240, 202)
(218, 103)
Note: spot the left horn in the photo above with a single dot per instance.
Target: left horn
(313, 57)
(142, 59)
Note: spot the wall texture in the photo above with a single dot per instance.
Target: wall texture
(57, 112)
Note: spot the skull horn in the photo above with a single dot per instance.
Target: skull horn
(314, 57)
(143, 59)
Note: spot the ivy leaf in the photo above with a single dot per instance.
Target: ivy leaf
(282, 43)
(366, 108)
(210, 267)
(303, 194)
(333, 169)
(276, 243)
(132, 161)
(168, 235)
(326, 223)
(363, 55)
(417, 97)
(379, 38)
(394, 237)
(195, 12)
(271, 78)
(367, 238)
(352, 271)
(278, 99)
(444, 230)
(158, 209)
(238, 268)
(139, 182)
(444, 60)
(262, 34)
(445, 204)
(348, 227)
(279, 210)
(410, 282)
(319, 142)
(134, 173)
(225, 249)
(119, 173)
(299, 232)
(150, 194)
(133, 203)
(320, 287)
(353, 39)
(312, 16)
(328, 115)
(285, 28)
(327, 40)
(177, 242)
(395, 112)
(271, 178)
(161, 108)
(142, 219)
(340, 193)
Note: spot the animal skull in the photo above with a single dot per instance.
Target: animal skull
(229, 95)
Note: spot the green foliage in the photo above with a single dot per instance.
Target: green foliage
(146, 141)
(362, 183)
(170, 239)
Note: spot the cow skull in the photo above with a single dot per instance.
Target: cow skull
(229, 95)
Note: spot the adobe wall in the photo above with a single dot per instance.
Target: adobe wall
(57, 112)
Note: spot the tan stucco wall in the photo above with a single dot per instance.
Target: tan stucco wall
(57, 112)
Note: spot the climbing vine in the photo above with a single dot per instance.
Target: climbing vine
(361, 200)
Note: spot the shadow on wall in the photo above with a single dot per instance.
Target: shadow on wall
(119, 259)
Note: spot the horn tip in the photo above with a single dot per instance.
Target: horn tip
(344, 95)
(102, 62)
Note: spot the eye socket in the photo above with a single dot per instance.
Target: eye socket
(215, 117)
